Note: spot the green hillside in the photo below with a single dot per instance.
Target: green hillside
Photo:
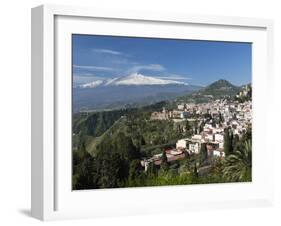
(94, 143)
(108, 146)
(219, 89)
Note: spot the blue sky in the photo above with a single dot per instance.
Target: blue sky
(194, 62)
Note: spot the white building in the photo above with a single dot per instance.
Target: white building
(181, 106)
(183, 114)
(194, 148)
(218, 153)
(181, 144)
(219, 138)
(197, 137)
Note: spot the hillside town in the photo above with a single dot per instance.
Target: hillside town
(212, 119)
(158, 112)
(204, 137)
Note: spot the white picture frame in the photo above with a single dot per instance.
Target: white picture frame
(52, 197)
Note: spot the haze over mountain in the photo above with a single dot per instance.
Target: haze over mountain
(127, 91)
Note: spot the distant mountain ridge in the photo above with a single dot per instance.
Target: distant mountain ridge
(135, 79)
(218, 89)
(114, 97)
(125, 92)
(220, 84)
(221, 87)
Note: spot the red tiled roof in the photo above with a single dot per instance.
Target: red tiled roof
(170, 158)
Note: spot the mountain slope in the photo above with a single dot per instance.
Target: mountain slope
(135, 79)
(127, 91)
(139, 79)
(219, 89)
(113, 97)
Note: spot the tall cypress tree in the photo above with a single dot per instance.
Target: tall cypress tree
(231, 142)
(195, 173)
(187, 128)
(235, 142)
(151, 170)
(164, 163)
(228, 141)
(203, 153)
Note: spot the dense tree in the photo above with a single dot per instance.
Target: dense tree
(203, 153)
(238, 166)
(82, 169)
(213, 123)
(135, 169)
(231, 136)
(187, 128)
(195, 172)
(125, 147)
(164, 161)
(151, 170)
(228, 139)
(235, 141)
(111, 169)
(142, 140)
(186, 155)
(164, 157)
(179, 129)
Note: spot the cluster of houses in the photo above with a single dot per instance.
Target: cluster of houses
(172, 154)
(224, 114)
(246, 91)
(213, 142)
(171, 114)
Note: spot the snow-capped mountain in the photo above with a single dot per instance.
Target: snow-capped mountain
(139, 79)
(134, 79)
(131, 90)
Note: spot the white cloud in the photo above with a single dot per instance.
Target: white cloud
(92, 68)
(176, 77)
(85, 78)
(150, 67)
(107, 51)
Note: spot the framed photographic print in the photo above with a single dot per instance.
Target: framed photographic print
(134, 111)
